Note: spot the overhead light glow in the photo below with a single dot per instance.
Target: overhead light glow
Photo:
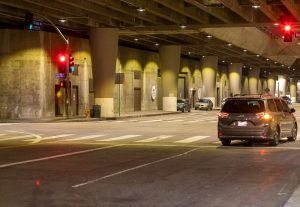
(62, 20)
(141, 9)
(255, 6)
(183, 26)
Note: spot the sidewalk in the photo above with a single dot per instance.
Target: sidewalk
(84, 119)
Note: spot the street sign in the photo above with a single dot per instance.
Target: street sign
(60, 76)
(37, 25)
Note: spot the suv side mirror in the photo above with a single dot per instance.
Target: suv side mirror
(292, 110)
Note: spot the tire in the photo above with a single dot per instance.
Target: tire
(293, 136)
(226, 142)
(276, 138)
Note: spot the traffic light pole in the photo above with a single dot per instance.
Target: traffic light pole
(68, 91)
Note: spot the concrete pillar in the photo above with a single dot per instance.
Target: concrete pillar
(253, 80)
(104, 49)
(235, 78)
(293, 90)
(170, 64)
(271, 84)
(245, 89)
(282, 85)
(209, 68)
(298, 90)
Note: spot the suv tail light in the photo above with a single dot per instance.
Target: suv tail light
(223, 114)
(264, 116)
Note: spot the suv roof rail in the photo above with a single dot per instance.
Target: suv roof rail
(253, 95)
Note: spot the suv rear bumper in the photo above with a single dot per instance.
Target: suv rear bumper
(240, 133)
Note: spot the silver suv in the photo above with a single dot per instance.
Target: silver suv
(256, 118)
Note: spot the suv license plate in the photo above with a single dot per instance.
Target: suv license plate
(242, 123)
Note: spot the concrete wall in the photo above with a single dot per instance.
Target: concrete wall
(27, 72)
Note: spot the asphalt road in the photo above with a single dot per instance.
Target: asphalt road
(170, 160)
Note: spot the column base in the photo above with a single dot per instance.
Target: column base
(107, 106)
(170, 103)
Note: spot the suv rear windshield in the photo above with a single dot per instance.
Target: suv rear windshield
(243, 106)
(204, 100)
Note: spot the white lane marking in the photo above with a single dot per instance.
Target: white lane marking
(191, 139)
(194, 121)
(149, 121)
(121, 121)
(1, 135)
(83, 138)
(119, 138)
(17, 137)
(176, 120)
(6, 124)
(56, 136)
(157, 138)
(133, 168)
(56, 156)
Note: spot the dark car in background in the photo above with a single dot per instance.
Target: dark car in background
(204, 104)
(256, 118)
(183, 105)
(287, 99)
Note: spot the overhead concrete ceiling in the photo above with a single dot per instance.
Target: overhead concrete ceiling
(233, 30)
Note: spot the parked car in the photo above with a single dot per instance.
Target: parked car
(256, 118)
(204, 104)
(223, 101)
(287, 99)
(183, 105)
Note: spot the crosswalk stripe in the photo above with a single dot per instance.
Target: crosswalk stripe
(191, 139)
(57, 136)
(17, 137)
(149, 121)
(121, 121)
(6, 124)
(194, 121)
(176, 120)
(119, 138)
(156, 138)
(83, 138)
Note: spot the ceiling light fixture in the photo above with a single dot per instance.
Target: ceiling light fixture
(62, 20)
(156, 44)
(209, 36)
(141, 9)
(245, 50)
(182, 26)
(255, 6)
(136, 39)
(229, 44)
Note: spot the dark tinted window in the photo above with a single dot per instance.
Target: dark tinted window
(243, 106)
(285, 106)
(180, 101)
(271, 105)
(204, 100)
(279, 105)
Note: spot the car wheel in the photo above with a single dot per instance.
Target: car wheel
(226, 142)
(293, 136)
(276, 138)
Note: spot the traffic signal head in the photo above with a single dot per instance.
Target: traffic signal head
(61, 60)
(71, 64)
(288, 31)
(28, 21)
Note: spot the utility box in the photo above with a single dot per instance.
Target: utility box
(96, 111)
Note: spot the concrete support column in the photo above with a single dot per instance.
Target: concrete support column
(235, 78)
(170, 64)
(282, 85)
(298, 90)
(271, 84)
(293, 90)
(253, 80)
(209, 68)
(104, 49)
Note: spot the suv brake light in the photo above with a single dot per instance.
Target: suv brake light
(223, 114)
(264, 116)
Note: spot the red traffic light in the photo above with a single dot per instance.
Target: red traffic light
(62, 58)
(287, 27)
